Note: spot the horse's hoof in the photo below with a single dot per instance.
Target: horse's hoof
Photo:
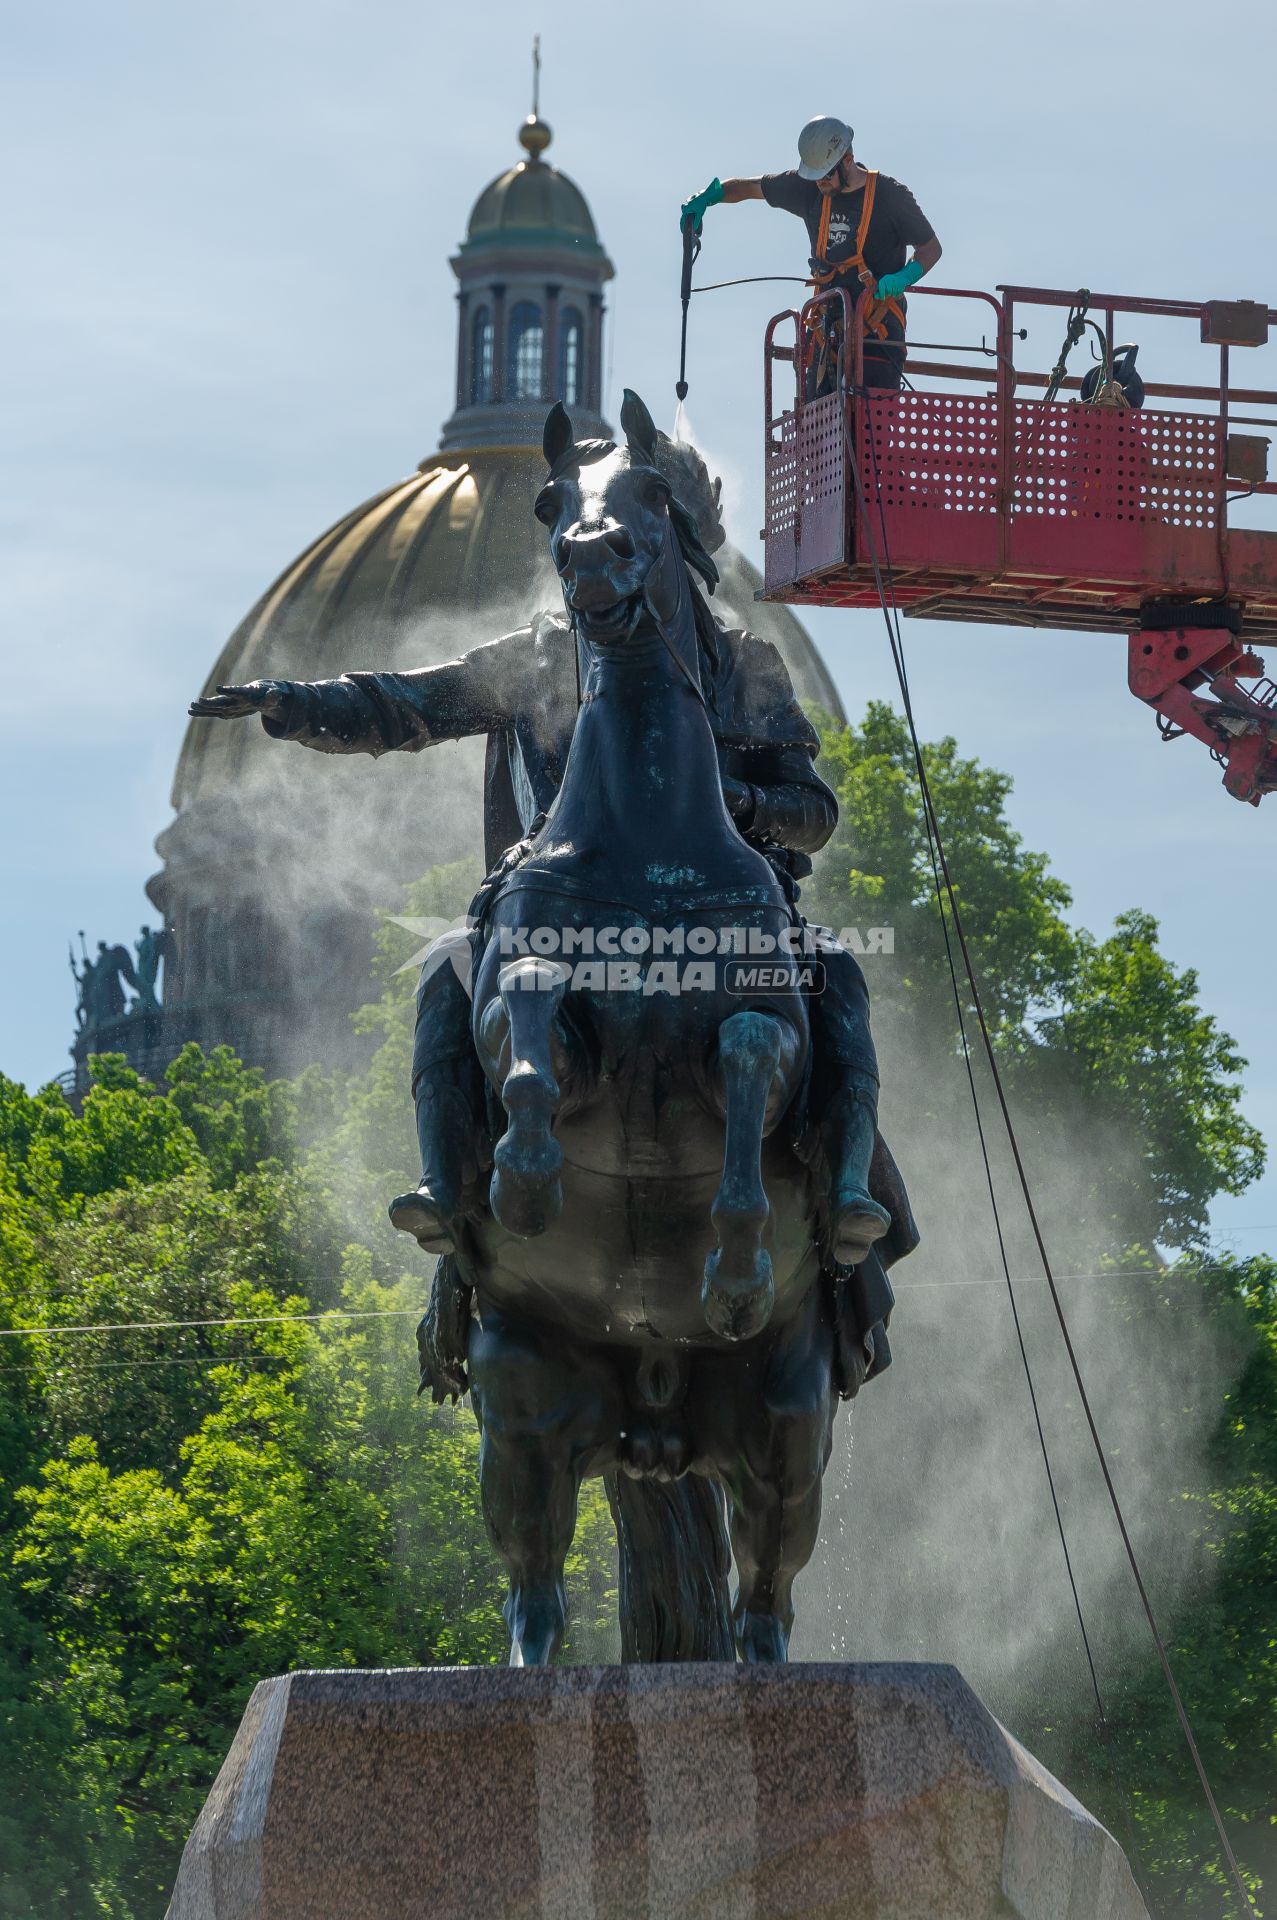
(738, 1307)
(536, 1615)
(425, 1218)
(522, 1204)
(761, 1639)
(855, 1223)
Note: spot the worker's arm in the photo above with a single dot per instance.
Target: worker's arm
(928, 254)
(925, 255)
(718, 193)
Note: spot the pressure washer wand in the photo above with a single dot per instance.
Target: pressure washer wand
(691, 247)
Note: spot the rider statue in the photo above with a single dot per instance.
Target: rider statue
(523, 692)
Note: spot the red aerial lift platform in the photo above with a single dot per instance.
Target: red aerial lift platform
(1005, 507)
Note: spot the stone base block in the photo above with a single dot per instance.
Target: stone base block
(640, 1793)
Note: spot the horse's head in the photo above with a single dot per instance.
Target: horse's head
(620, 536)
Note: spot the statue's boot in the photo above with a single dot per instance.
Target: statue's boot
(447, 1090)
(848, 1127)
(445, 1131)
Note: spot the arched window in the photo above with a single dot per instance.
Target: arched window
(526, 339)
(482, 342)
(571, 356)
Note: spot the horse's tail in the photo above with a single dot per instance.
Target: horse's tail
(674, 1563)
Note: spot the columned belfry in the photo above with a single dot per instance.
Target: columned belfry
(529, 306)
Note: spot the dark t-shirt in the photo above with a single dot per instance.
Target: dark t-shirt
(898, 221)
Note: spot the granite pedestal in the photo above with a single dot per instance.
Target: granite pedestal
(640, 1793)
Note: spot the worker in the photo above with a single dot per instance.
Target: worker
(861, 225)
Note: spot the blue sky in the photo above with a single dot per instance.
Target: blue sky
(230, 318)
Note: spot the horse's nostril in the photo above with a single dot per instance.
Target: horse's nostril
(620, 542)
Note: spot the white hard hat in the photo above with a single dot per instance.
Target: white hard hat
(821, 145)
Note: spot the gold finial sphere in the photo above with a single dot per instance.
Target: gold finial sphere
(535, 135)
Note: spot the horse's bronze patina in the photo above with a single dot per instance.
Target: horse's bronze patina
(644, 1285)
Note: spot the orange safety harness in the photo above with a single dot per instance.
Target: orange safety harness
(876, 312)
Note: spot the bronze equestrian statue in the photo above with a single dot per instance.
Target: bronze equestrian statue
(649, 1163)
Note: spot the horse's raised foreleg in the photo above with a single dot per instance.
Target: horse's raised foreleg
(546, 1409)
(758, 1057)
(520, 1034)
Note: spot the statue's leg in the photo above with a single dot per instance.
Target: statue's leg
(845, 1103)
(447, 1089)
(548, 1412)
(768, 1429)
(759, 1055)
(522, 1044)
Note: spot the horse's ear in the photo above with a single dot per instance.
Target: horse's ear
(558, 436)
(640, 428)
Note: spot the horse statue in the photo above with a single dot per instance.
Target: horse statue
(651, 1290)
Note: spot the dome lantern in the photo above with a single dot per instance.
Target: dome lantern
(531, 273)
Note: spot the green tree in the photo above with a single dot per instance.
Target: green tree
(233, 1477)
(876, 871)
(1133, 1047)
(238, 1118)
(1126, 1092)
(122, 1137)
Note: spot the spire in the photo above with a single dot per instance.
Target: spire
(534, 134)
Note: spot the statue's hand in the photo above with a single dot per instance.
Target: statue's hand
(273, 698)
(739, 799)
(443, 1335)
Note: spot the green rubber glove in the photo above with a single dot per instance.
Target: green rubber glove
(892, 285)
(694, 209)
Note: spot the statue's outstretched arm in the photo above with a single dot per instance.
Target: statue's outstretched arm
(378, 712)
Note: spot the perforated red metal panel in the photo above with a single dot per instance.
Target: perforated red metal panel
(822, 473)
(780, 559)
(931, 460)
(807, 491)
(1114, 495)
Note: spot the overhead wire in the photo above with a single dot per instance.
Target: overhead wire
(239, 1320)
(170, 1360)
